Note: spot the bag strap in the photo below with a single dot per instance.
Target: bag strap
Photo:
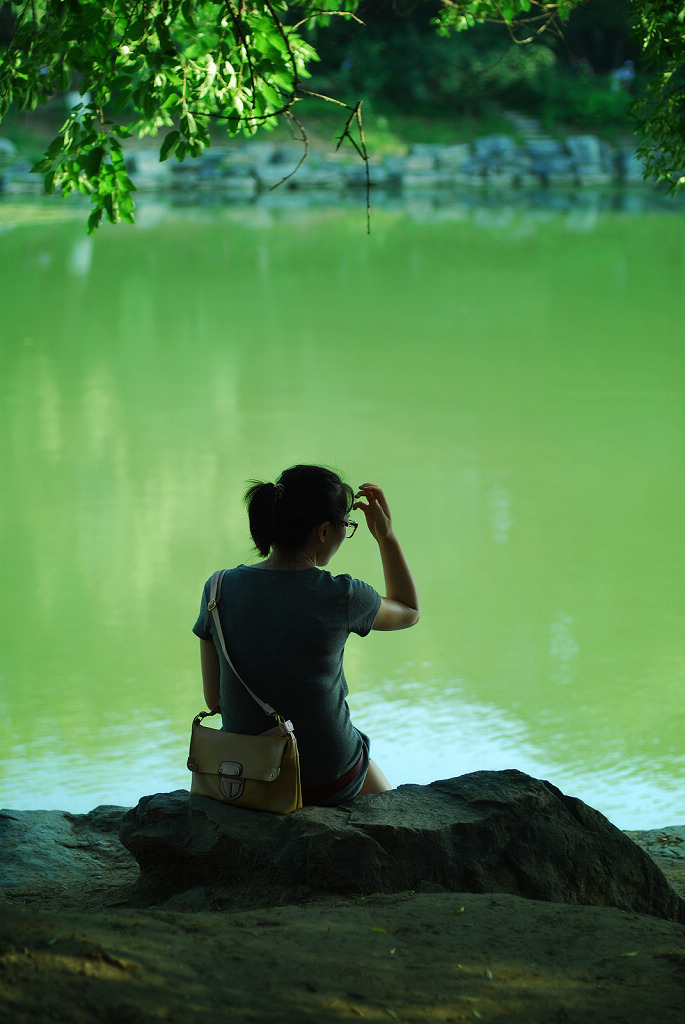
(214, 594)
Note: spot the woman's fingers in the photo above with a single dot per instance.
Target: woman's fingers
(375, 509)
(373, 493)
(368, 489)
(375, 496)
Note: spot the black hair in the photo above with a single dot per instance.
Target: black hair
(285, 513)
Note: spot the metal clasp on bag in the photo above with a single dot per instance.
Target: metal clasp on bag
(231, 787)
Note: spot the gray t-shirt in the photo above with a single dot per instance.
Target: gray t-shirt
(286, 633)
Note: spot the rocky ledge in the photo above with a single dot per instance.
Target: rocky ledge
(491, 161)
(486, 832)
(242, 171)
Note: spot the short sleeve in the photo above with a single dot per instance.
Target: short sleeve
(201, 627)
(362, 607)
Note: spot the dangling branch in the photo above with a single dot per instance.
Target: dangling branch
(305, 151)
(356, 117)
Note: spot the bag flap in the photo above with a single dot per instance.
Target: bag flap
(217, 752)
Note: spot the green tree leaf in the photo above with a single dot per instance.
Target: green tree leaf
(170, 144)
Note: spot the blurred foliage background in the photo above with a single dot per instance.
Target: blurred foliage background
(422, 86)
(398, 63)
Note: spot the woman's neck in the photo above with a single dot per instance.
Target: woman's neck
(289, 560)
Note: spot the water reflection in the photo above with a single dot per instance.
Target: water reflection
(514, 376)
(489, 204)
(464, 737)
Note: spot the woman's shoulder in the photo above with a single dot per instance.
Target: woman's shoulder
(342, 581)
(230, 573)
(349, 584)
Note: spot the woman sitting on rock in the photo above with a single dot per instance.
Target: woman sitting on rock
(286, 624)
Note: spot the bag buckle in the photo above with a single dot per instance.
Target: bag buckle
(231, 787)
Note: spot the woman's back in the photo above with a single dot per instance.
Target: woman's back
(285, 632)
(286, 621)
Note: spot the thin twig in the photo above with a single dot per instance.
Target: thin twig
(305, 141)
(323, 96)
(341, 14)
(356, 116)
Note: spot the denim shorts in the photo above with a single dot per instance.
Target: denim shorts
(353, 787)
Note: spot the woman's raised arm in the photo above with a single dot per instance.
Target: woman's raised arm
(400, 606)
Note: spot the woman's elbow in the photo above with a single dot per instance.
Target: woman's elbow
(413, 617)
(408, 618)
(393, 615)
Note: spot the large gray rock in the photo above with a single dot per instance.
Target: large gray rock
(8, 150)
(585, 149)
(43, 850)
(489, 146)
(483, 832)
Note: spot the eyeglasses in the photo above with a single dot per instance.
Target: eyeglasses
(350, 527)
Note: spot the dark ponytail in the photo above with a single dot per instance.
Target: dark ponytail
(260, 499)
(285, 513)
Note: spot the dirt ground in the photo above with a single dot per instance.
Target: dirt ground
(81, 955)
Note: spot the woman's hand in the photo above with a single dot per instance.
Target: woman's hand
(375, 509)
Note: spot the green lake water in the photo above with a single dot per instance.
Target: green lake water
(513, 376)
